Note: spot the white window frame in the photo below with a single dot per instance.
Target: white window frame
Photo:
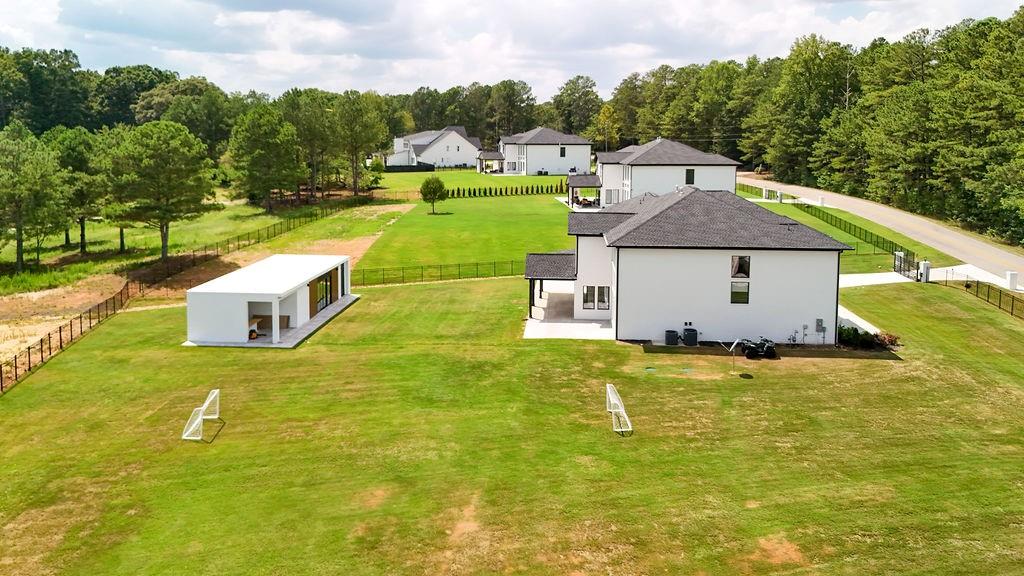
(591, 292)
(732, 290)
(606, 302)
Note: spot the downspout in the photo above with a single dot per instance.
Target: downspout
(835, 331)
(617, 290)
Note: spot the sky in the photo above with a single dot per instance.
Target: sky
(395, 46)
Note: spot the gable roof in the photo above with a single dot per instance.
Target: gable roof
(420, 141)
(583, 181)
(490, 155)
(664, 152)
(695, 218)
(542, 135)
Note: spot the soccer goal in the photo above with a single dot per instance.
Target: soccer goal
(620, 420)
(210, 410)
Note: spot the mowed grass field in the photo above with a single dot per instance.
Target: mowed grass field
(411, 181)
(473, 230)
(417, 433)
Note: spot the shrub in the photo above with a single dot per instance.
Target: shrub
(853, 337)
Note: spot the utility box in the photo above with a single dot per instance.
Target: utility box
(1011, 279)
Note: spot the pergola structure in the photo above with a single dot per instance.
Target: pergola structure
(576, 182)
(548, 266)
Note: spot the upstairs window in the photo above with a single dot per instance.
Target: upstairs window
(689, 175)
(561, 151)
(457, 148)
(739, 293)
(740, 267)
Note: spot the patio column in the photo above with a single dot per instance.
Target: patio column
(275, 320)
(532, 294)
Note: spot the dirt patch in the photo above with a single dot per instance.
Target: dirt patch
(467, 523)
(374, 498)
(33, 535)
(777, 550)
(66, 300)
(468, 546)
(751, 504)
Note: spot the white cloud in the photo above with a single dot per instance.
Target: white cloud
(398, 45)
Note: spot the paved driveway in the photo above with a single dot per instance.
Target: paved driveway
(983, 255)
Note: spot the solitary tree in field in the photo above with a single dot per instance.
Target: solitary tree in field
(160, 177)
(265, 150)
(432, 190)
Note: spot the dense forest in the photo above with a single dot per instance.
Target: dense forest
(932, 123)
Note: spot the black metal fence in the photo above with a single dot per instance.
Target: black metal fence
(436, 272)
(137, 280)
(1006, 300)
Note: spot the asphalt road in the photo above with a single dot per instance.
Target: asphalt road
(957, 244)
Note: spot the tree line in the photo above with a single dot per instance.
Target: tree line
(930, 123)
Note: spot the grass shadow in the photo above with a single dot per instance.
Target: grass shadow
(441, 213)
(222, 423)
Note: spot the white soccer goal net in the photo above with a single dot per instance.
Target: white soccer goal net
(620, 420)
(194, 426)
(210, 410)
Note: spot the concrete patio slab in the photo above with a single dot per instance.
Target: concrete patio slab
(290, 337)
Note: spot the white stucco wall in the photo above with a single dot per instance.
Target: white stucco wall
(450, 150)
(547, 157)
(665, 179)
(400, 158)
(217, 317)
(660, 289)
(611, 180)
(593, 268)
(513, 153)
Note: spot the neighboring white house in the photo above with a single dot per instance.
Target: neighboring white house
(450, 146)
(659, 167)
(544, 150)
(280, 295)
(707, 260)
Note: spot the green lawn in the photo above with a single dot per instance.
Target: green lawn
(64, 266)
(866, 258)
(473, 230)
(418, 434)
(400, 181)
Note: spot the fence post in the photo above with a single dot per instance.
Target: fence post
(60, 336)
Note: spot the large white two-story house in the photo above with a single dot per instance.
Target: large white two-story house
(705, 260)
(658, 167)
(450, 146)
(543, 150)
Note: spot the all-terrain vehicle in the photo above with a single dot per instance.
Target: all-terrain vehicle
(763, 348)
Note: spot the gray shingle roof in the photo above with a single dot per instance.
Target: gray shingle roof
(594, 223)
(612, 157)
(695, 218)
(420, 141)
(663, 152)
(583, 181)
(542, 135)
(490, 155)
(551, 265)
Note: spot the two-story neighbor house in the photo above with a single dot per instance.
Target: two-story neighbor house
(450, 146)
(692, 258)
(544, 150)
(658, 167)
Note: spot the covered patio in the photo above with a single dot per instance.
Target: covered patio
(489, 161)
(552, 278)
(576, 182)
